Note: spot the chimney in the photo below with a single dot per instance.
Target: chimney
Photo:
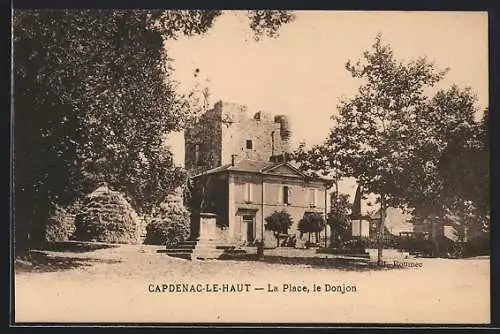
(277, 158)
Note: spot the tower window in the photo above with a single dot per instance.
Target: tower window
(249, 144)
(198, 157)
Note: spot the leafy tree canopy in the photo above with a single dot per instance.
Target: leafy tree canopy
(279, 222)
(93, 99)
(394, 133)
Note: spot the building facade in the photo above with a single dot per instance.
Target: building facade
(237, 162)
(243, 194)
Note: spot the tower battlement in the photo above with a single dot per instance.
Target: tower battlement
(230, 130)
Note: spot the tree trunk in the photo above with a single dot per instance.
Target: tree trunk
(435, 239)
(332, 236)
(277, 240)
(326, 236)
(381, 231)
(309, 234)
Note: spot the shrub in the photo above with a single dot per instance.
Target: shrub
(60, 225)
(106, 216)
(169, 226)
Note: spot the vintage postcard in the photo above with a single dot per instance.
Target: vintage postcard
(250, 167)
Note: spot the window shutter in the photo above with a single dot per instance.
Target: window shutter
(250, 192)
(280, 194)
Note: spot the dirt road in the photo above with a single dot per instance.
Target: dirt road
(134, 284)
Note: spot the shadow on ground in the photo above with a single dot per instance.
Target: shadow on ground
(317, 262)
(38, 262)
(75, 246)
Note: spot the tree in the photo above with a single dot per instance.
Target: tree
(305, 226)
(339, 220)
(372, 138)
(464, 165)
(93, 100)
(312, 222)
(391, 135)
(279, 222)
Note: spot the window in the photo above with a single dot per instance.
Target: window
(286, 194)
(249, 144)
(312, 197)
(248, 192)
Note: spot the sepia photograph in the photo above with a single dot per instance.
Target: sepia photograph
(250, 167)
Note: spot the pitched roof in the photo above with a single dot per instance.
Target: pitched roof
(256, 166)
(240, 166)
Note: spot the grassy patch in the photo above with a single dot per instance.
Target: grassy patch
(317, 262)
(75, 246)
(38, 261)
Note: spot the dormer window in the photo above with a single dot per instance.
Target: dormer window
(249, 144)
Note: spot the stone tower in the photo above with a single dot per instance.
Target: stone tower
(229, 132)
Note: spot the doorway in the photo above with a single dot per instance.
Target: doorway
(249, 223)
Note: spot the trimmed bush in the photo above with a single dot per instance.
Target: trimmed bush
(60, 226)
(169, 226)
(279, 222)
(106, 216)
(311, 222)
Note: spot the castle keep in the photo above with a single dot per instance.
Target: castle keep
(227, 132)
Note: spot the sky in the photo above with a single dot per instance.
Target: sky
(301, 73)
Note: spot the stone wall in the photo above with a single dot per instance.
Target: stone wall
(260, 128)
(207, 134)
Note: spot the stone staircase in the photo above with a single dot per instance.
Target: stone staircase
(200, 250)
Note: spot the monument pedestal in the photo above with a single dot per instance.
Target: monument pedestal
(207, 241)
(208, 226)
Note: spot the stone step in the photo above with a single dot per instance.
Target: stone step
(179, 250)
(207, 254)
(235, 251)
(208, 250)
(225, 247)
(187, 246)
